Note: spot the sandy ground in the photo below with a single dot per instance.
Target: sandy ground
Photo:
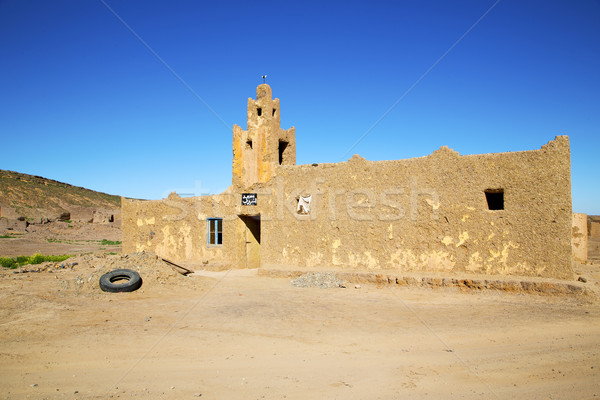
(235, 335)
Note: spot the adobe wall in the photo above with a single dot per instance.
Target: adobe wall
(176, 228)
(580, 238)
(256, 151)
(504, 213)
(427, 214)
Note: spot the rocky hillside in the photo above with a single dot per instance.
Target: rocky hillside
(34, 198)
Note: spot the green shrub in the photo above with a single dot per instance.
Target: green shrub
(22, 260)
(11, 235)
(110, 242)
(10, 262)
(36, 259)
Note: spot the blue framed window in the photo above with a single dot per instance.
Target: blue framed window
(214, 234)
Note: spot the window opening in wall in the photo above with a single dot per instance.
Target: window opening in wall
(259, 111)
(274, 111)
(495, 199)
(214, 235)
(282, 146)
(249, 144)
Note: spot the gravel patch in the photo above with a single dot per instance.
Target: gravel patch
(323, 280)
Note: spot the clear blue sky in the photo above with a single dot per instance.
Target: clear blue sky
(84, 101)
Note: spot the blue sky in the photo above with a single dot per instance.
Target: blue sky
(84, 101)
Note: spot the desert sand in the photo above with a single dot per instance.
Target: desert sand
(237, 335)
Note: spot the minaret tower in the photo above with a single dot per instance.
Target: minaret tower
(258, 150)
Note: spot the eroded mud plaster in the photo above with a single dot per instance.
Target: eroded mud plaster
(503, 213)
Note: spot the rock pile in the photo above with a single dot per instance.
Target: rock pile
(81, 274)
(153, 270)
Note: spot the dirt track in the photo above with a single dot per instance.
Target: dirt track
(229, 336)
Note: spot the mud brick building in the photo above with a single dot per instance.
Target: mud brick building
(504, 213)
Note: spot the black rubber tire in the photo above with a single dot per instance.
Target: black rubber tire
(134, 281)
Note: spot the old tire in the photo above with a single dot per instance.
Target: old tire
(130, 281)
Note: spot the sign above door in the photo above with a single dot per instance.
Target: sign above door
(249, 199)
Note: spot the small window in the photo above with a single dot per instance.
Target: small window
(282, 146)
(495, 199)
(259, 111)
(274, 111)
(214, 231)
(249, 144)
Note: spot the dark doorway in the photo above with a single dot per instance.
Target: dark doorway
(282, 146)
(251, 239)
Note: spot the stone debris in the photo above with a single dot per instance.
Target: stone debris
(81, 274)
(152, 269)
(323, 280)
(45, 267)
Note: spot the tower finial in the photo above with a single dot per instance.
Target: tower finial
(264, 78)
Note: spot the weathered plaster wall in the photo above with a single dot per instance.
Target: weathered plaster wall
(424, 214)
(256, 150)
(580, 237)
(428, 214)
(176, 228)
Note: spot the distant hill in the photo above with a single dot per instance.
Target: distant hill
(35, 197)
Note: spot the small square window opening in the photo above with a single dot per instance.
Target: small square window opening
(259, 111)
(495, 199)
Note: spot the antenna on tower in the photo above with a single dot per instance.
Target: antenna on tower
(264, 78)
